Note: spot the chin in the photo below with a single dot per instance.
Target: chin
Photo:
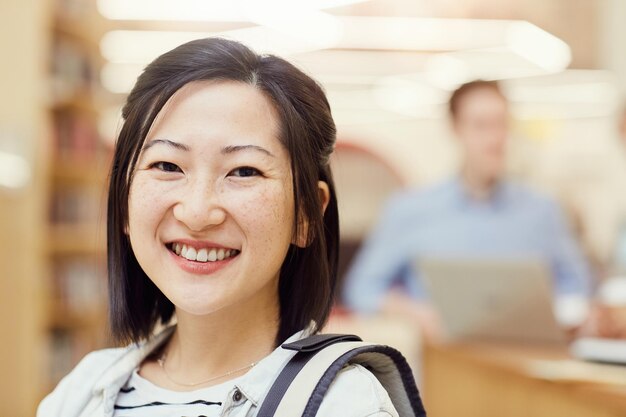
(201, 307)
(495, 172)
(199, 300)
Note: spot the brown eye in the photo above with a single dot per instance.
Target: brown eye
(166, 166)
(245, 172)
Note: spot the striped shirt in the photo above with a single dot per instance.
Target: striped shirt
(141, 398)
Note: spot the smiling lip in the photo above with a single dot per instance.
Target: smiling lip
(198, 267)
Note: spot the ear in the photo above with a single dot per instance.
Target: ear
(324, 194)
(301, 240)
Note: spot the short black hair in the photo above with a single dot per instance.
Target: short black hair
(457, 95)
(308, 276)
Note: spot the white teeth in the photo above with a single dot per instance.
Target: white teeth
(203, 255)
(191, 254)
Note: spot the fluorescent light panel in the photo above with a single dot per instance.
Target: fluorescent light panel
(141, 47)
(321, 30)
(209, 10)
(493, 49)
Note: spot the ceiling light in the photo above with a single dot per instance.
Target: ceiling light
(447, 71)
(14, 170)
(141, 47)
(421, 34)
(206, 10)
(538, 46)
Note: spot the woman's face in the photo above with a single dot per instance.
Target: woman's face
(211, 207)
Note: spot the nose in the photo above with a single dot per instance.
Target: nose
(198, 207)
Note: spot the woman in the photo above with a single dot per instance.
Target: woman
(221, 213)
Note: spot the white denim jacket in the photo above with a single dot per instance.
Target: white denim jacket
(91, 389)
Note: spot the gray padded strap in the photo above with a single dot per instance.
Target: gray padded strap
(297, 395)
(390, 368)
(303, 383)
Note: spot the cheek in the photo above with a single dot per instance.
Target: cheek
(473, 145)
(146, 202)
(266, 216)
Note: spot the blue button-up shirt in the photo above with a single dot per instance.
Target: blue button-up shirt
(446, 221)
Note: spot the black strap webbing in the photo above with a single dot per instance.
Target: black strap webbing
(318, 342)
(306, 348)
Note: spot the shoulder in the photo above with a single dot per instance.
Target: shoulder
(96, 363)
(539, 201)
(356, 392)
(80, 382)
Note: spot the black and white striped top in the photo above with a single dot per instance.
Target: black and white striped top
(141, 398)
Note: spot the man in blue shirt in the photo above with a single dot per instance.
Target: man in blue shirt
(476, 213)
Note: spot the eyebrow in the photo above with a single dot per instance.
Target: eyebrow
(225, 150)
(167, 142)
(238, 148)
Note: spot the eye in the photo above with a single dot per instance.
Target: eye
(245, 172)
(166, 166)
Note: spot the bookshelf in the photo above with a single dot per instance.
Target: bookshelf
(74, 243)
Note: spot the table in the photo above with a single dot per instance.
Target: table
(504, 380)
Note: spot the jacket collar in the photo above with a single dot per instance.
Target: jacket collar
(116, 375)
(499, 197)
(257, 381)
(254, 384)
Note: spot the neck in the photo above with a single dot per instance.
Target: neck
(220, 342)
(479, 186)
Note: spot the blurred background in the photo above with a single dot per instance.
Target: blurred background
(388, 67)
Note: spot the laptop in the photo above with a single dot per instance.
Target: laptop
(502, 300)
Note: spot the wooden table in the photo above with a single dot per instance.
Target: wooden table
(499, 380)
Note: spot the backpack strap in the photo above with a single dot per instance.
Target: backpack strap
(324, 357)
(306, 348)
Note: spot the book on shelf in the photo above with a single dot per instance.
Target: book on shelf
(76, 204)
(73, 72)
(75, 137)
(79, 285)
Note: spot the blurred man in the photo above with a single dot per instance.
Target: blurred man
(477, 212)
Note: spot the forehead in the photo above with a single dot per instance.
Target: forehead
(216, 108)
(481, 101)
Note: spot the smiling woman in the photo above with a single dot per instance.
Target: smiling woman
(220, 184)
(222, 217)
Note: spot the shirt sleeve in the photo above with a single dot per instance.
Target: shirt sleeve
(381, 262)
(570, 267)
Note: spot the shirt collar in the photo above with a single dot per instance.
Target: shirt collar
(499, 196)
